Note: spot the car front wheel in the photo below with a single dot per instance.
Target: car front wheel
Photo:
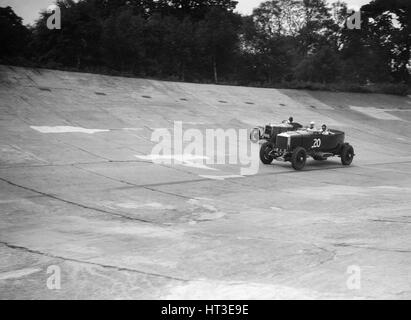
(299, 158)
(265, 151)
(347, 155)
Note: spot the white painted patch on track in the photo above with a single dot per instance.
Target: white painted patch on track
(391, 188)
(66, 129)
(208, 289)
(18, 273)
(195, 123)
(203, 198)
(208, 216)
(151, 205)
(132, 129)
(187, 160)
(276, 208)
(221, 178)
(380, 114)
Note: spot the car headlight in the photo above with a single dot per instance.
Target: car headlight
(255, 135)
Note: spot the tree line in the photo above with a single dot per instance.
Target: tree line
(291, 43)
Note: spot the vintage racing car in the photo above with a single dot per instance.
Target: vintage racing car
(296, 146)
(270, 131)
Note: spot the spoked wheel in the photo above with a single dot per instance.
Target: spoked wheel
(265, 151)
(299, 158)
(347, 155)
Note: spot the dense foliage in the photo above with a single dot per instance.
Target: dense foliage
(282, 42)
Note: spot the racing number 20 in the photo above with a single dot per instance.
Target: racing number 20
(317, 143)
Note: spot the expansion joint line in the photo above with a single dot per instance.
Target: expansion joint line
(106, 266)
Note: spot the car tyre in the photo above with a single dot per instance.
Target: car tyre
(299, 158)
(265, 150)
(347, 155)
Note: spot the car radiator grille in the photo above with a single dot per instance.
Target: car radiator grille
(282, 142)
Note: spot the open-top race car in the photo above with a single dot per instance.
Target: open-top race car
(270, 131)
(296, 146)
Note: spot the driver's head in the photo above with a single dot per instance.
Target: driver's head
(291, 119)
(324, 127)
(312, 125)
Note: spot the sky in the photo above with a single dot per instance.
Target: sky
(29, 9)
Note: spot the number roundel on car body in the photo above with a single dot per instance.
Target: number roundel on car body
(316, 144)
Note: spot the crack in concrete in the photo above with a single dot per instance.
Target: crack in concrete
(345, 245)
(389, 221)
(404, 292)
(123, 216)
(107, 266)
(333, 254)
(83, 150)
(166, 192)
(132, 184)
(2, 167)
(70, 164)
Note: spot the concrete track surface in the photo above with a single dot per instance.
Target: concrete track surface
(79, 194)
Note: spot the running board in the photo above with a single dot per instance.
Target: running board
(324, 154)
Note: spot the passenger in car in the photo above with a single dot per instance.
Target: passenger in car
(312, 128)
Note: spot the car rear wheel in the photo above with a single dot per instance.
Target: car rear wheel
(265, 151)
(299, 158)
(347, 155)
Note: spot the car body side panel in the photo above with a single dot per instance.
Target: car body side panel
(311, 141)
(321, 142)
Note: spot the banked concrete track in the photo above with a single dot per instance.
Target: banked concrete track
(78, 191)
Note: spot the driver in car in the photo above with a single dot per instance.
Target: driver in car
(289, 121)
(325, 131)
